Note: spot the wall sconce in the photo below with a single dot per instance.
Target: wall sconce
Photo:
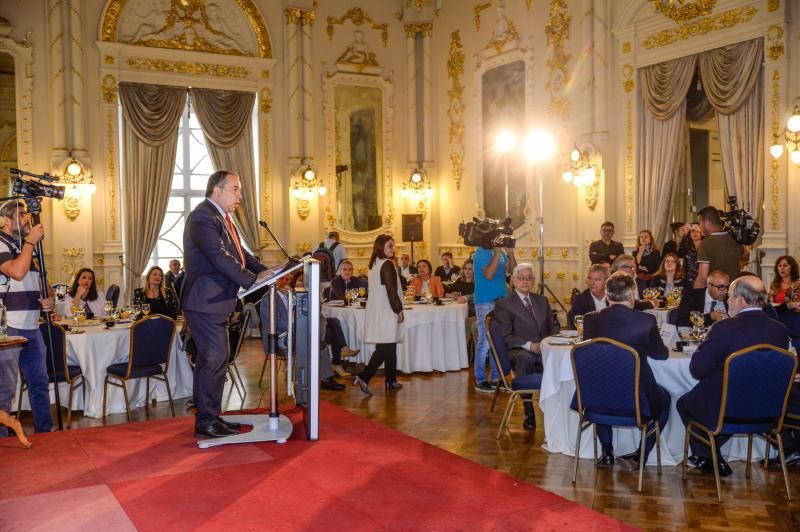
(582, 173)
(306, 186)
(791, 136)
(79, 184)
(418, 189)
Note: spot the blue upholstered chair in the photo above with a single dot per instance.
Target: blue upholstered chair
(112, 294)
(607, 393)
(151, 345)
(518, 387)
(755, 389)
(672, 317)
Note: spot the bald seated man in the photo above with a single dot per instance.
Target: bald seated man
(712, 300)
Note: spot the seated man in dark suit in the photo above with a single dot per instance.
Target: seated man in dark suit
(345, 281)
(525, 319)
(712, 300)
(627, 265)
(619, 321)
(747, 326)
(594, 297)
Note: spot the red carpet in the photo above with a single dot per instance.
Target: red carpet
(360, 475)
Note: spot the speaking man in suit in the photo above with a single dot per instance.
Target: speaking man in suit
(712, 300)
(747, 326)
(620, 322)
(525, 319)
(216, 266)
(594, 297)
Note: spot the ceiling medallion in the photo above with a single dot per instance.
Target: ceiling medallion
(683, 10)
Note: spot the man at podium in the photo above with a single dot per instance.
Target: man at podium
(216, 266)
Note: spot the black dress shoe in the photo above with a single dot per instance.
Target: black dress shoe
(236, 427)
(392, 386)
(330, 384)
(792, 459)
(215, 429)
(607, 458)
(529, 423)
(706, 465)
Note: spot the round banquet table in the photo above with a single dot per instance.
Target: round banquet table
(561, 422)
(434, 338)
(98, 348)
(661, 315)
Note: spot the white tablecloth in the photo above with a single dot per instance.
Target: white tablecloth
(435, 339)
(660, 314)
(98, 348)
(561, 422)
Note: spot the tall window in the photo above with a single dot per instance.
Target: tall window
(192, 168)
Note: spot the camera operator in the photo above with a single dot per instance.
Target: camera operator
(492, 264)
(20, 294)
(719, 251)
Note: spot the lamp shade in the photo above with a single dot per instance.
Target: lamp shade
(776, 150)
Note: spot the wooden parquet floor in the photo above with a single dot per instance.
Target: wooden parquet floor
(443, 410)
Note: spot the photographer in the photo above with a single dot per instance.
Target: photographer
(719, 251)
(492, 264)
(20, 293)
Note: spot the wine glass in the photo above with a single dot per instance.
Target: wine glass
(80, 316)
(115, 313)
(108, 307)
(145, 308)
(348, 297)
(135, 311)
(579, 327)
(696, 317)
(362, 291)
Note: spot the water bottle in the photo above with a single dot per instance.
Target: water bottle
(3, 321)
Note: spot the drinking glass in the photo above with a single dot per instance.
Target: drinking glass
(579, 327)
(80, 316)
(135, 311)
(696, 317)
(108, 307)
(362, 292)
(146, 308)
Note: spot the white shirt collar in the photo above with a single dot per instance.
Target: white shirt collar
(523, 297)
(221, 211)
(750, 309)
(599, 304)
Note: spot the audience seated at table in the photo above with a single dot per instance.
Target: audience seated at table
(406, 269)
(463, 290)
(647, 256)
(447, 271)
(84, 294)
(619, 321)
(345, 281)
(669, 274)
(594, 297)
(525, 320)
(424, 282)
(748, 326)
(161, 298)
(712, 300)
(627, 265)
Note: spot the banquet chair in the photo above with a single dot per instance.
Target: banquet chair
(672, 317)
(755, 390)
(518, 387)
(237, 330)
(607, 392)
(112, 294)
(150, 348)
(72, 375)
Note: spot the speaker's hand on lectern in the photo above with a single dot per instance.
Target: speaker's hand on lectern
(263, 275)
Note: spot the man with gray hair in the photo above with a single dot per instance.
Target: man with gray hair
(627, 265)
(747, 326)
(594, 297)
(525, 319)
(620, 322)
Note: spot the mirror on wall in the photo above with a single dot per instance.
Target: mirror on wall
(8, 120)
(359, 157)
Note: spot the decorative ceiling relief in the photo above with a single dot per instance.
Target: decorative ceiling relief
(504, 31)
(557, 31)
(683, 10)
(357, 56)
(228, 27)
(720, 21)
(359, 17)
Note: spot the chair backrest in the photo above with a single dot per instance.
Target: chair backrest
(112, 294)
(607, 379)
(59, 347)
(755, 385)
(151, 341)
(237, 329)
(672, 317)
(499, 349)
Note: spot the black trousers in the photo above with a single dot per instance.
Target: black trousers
(660, 411)
(526, 363)
(384, 354)
(699, 448)
(210, 334)
(334, 337)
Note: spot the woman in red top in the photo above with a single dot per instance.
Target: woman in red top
(785, 283)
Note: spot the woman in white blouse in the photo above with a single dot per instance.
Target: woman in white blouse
(83, 294)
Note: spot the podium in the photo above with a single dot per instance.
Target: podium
(303, 384)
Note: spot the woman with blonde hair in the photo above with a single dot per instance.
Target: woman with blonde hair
(161, 298)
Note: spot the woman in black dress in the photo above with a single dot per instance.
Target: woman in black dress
(162, 299)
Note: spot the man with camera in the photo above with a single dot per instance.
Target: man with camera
(720, 251)
(492, 263)
(20, 293)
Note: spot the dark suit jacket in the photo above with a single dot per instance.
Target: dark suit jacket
(724, 338)
(582, 304)
(517, 324)
(638, 330)
(214, 271)
(444, 276)
(694, 299)
(338, 286)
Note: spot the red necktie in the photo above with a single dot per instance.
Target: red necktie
(235, 237)
(529, 307)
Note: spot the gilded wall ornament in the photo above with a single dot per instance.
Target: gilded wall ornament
(187, 67)
(627, 76)
(358, 54)
(455, 112)
(111, 175)
(776, 131)
(265, 100)
(504, 31)
(109, 89)
(477, 12)
(73, 261)
(557, 33)
(775, 42)
(426, 29)
(359, 17)
(773, 5)
(682, 10)
(721, 21)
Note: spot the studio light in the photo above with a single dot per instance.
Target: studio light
(505, 141)
(539, 145)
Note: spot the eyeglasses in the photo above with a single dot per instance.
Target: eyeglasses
(524, 278)
(719, 286)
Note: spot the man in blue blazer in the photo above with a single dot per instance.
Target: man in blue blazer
(217, 265)
(621, 322)
(747, 326)
(594, 297)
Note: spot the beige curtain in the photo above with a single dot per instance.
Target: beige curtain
(226, 119)
(733, 81)
(662, 139)
(150, 119)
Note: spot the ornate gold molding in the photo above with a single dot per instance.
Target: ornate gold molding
(109, 89)
(557, 32)
(627, 75)
(186, 67)
(73, 261)
(302, 247)
(111, 175)
(308, 18)
(265, 100)
(775, 42)
(293, 14)
(626, 47)
(685, 10)
(590, 196)
(774, 189)
(303, 208)
(109, 60)
(359, 17)
(629, 165)
(455, 69)
(773, 5)
(425, 29)
(721, 21)
(477, 11)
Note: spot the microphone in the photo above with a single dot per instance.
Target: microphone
(341, 168)
(263, 224)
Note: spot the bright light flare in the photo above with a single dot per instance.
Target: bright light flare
(505, 141)
(539, 145)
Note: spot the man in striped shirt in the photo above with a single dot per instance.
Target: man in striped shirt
(19, 289)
